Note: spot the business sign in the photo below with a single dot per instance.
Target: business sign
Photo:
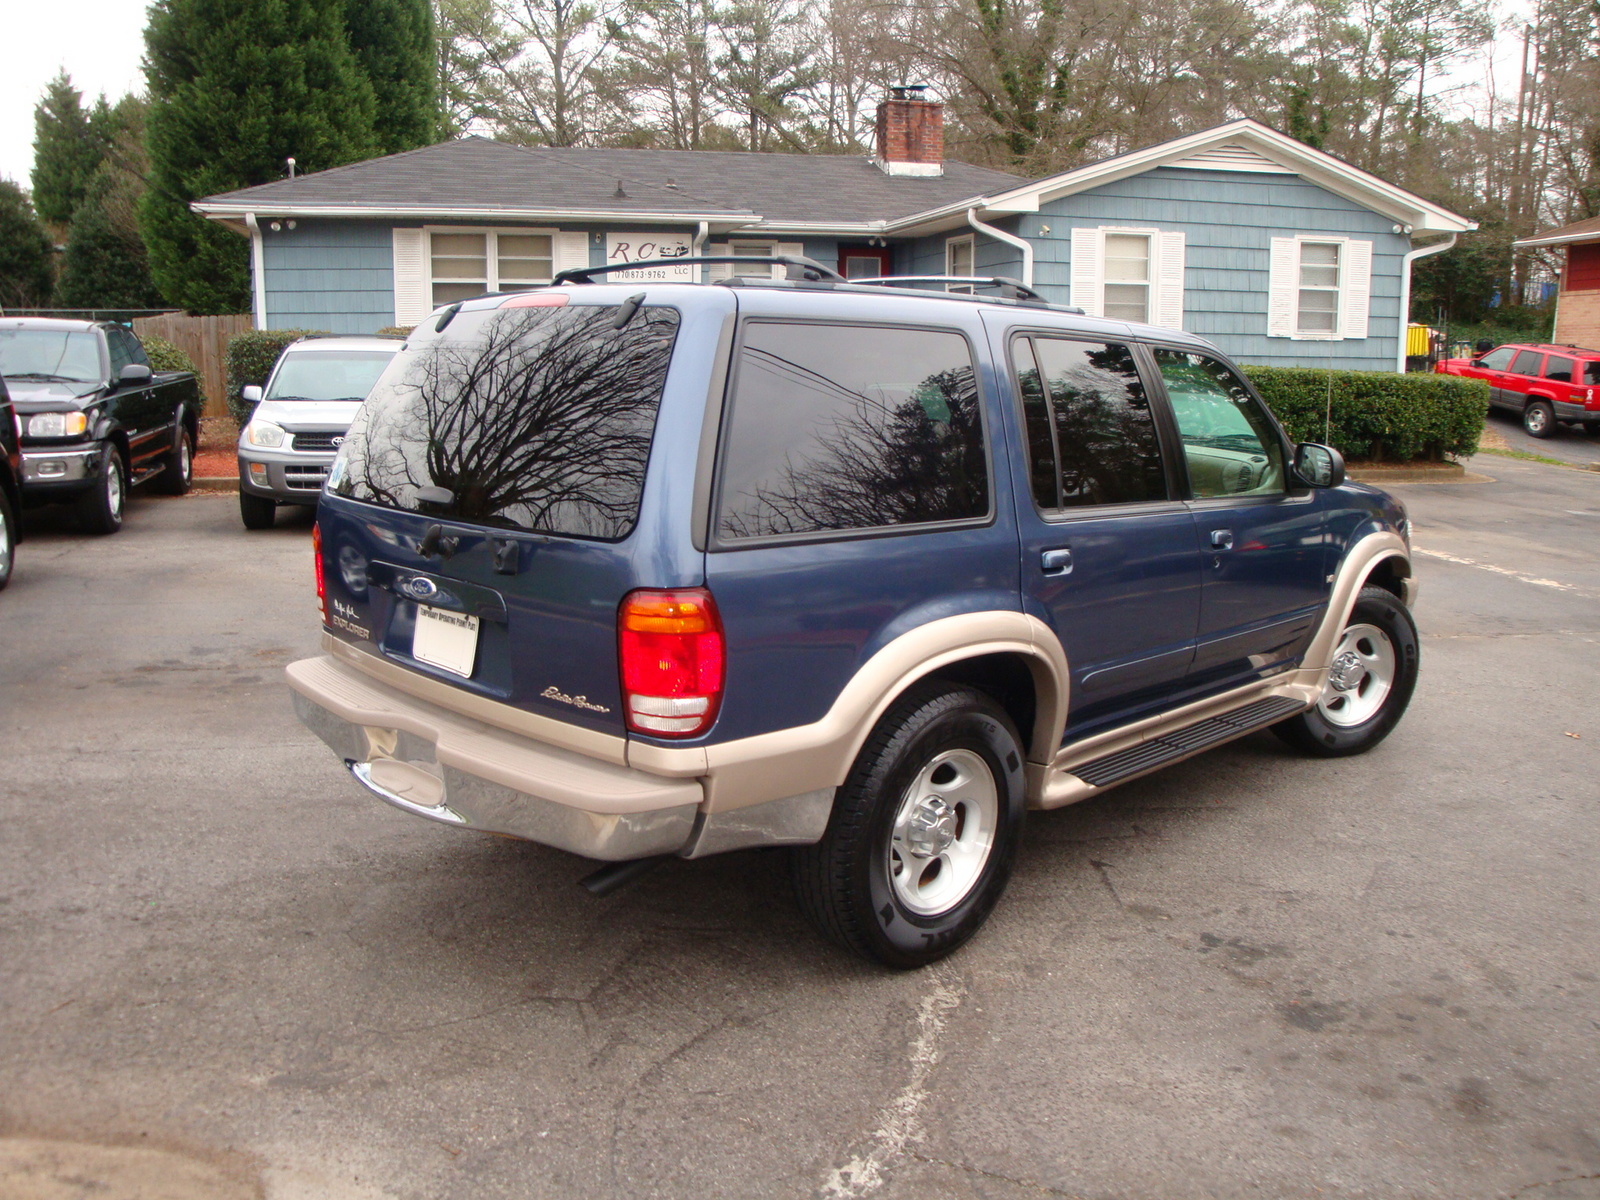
(642, 247)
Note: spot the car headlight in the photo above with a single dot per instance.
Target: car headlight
(263, 433)
(56, 424)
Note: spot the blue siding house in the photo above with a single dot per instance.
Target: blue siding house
(1277, 252)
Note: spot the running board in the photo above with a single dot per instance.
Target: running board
(1181, 743)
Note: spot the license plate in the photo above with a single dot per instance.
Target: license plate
(447, 640)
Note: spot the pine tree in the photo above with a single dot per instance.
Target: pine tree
(68, 144)
(393, 41)
(105, 264)
(237, 87)
(25, 251)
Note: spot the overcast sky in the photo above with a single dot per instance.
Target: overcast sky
(99, 42)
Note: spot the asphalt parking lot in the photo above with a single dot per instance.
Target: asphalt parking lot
(225, 971)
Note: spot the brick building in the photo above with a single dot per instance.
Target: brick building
(1578, 301)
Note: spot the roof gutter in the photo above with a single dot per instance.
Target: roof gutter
(258, 271)
(1009, 239)
(1405, 293)
(235, 211)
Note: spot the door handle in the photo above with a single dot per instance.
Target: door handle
(1222, 539)
(1056, 562)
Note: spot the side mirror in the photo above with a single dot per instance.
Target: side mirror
(250, 394)
(133, 375)
(1477, 362)
(1318, 465)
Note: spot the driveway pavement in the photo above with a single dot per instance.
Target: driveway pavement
(225, 970)
(1569, 444)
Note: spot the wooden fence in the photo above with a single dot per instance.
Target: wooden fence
(205, 340)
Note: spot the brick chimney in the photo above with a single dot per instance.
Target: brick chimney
(910, 133)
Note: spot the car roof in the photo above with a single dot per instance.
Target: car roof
(1550, 348)
(57, 323)
(327, 343)
(808, 298)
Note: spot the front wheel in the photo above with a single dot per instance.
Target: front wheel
(257, 512)
(8, 540)
(100, 508)
(924, 831)
(1370, 682)
(1539, 419)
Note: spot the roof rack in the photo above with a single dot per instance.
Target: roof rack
(1011, 289)
(811, 270)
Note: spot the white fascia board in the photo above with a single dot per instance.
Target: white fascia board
(224, 212)
(1340, 178)
(1564, 239)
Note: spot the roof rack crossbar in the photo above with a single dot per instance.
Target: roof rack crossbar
(1012, 289)
(812, 271)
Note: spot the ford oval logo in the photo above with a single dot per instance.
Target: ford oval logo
(419, 588)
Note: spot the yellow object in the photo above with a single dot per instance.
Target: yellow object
(1418, 339)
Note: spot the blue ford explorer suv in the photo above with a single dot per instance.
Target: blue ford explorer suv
(863, 570)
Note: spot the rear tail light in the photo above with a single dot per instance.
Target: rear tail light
(316, 558)
(671, 652)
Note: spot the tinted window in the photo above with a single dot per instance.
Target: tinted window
(841, 427)
(1497, 360)
(1591, 372)
(117, 346)
(1229, 443)
(1558, 368)
(1091, 418)
(536, 418)
(136, 349)
(327, 375)
(1527, 362)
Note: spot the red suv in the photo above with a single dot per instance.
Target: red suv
(1548, 385)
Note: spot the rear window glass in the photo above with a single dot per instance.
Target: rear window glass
(838, 427)
(1527, 362)
(527, 418)
(1591, 372)
(328, 375)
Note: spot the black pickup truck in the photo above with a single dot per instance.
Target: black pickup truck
(94, 419)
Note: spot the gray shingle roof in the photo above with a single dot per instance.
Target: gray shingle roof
(482, 175)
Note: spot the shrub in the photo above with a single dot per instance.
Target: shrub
(1377, 416)
(251, 357)
(164, 356)
(396, 330)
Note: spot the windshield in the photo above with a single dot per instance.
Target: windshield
(532, 418)
(323, 375)
(72, 356)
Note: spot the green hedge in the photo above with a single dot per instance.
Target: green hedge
(251, 357)
(164, 356)
(1377, 416)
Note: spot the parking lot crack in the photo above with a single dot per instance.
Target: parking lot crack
(1532, 1189)
(1043, 1189)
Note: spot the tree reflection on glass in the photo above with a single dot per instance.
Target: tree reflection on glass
(824, 438)
(532, 418)
(1104, 435)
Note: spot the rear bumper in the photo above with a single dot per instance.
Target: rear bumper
(436, 764)
(1567, 411)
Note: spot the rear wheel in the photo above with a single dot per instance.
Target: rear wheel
(100, 508)
(923, 833)
(256, 512)
(1539, 419)
(8, 540)
(177, 474)
(1374, 672)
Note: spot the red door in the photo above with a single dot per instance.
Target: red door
(865, 262)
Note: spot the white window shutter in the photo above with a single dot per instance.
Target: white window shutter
(1088, 271)
(1168, 308)
(570, 250)
(1283, 288)
(1357, 290)
(413, 295)
(718, 271)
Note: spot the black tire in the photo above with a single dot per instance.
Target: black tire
(1592, 428)
(257, 512)
(8, 540)
(1318, 731)
(844, 882)
(1539, 419)
(177, 472)
(100, 508)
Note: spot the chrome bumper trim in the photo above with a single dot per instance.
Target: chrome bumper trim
(58, 466)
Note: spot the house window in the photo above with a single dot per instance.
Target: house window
(758, 250)
(1318, 309)
(463, 265)
(959, 260)
(1127, 275)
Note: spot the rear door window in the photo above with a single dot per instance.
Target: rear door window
(1527, 362)
(1558, 368)
(845, 427)
(525, 418)
(1091, 437)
